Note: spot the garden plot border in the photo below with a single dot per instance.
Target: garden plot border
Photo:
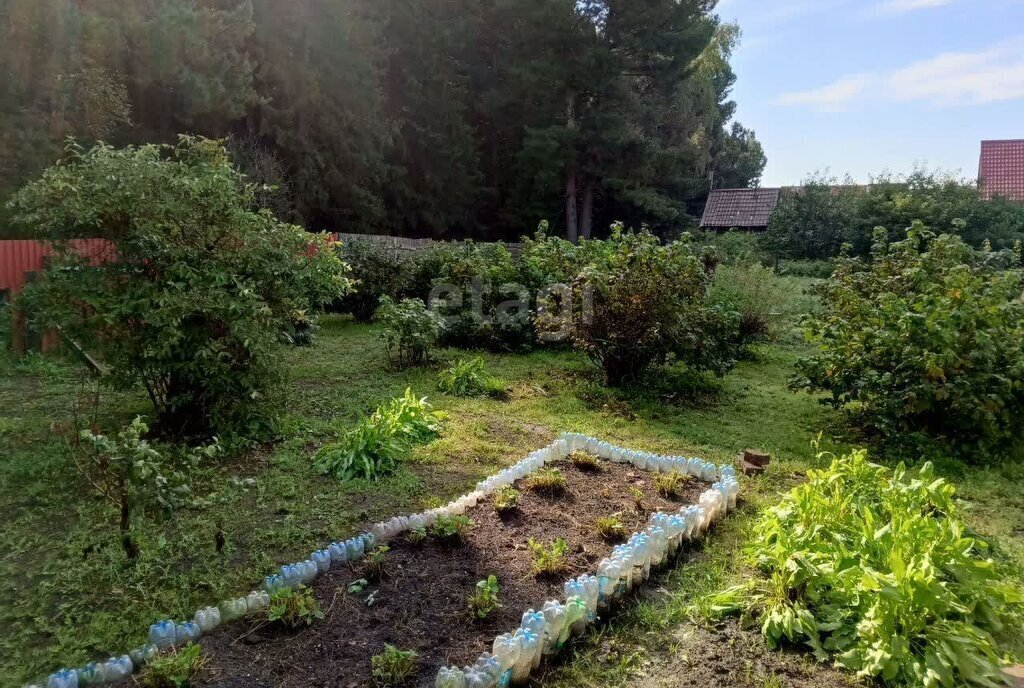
(542, 633)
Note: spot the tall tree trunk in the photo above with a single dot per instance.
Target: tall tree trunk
(587, 214)
(572, 229)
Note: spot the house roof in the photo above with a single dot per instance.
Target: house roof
(750, 208)
(1001, 170)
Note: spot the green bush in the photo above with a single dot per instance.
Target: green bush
(469, 379)
(411, 330)
(175, 669)
(876, 568)
(199, 298)
(378, 270)
(294, 608)
(375, 446)
(925, 342)
(641, 304)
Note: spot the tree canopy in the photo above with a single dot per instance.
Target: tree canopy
(425, 117)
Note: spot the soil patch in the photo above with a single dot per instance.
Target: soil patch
(421, 605)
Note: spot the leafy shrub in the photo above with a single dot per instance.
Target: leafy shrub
(374, 567)
(549, 560)
(196, 298)
(393, 667)
(294, 608)
(485, 598)
(378, 270)
(668, 484)
(175, 669)
(641, 304)
(549, 481)
(411, 330)
(610, 528)
(469, 379)
(924, 342)
(375, 446)
(876, 567)
(451, 528)
(506, 499)
(585, 462)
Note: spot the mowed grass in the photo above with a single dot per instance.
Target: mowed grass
(67, 594)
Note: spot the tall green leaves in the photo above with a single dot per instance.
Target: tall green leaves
(875, 567)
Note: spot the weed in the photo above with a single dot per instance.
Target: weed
(393, 667)
(373, 567)
(506, 499)
(549, 560)
(668, 484)
(610, 528)
(451, 529)
(416, 536)
(469, 379)
(485, 597)
(294, 608)
(174, 669)
(638, 499)
(585, 462)
(548, 481)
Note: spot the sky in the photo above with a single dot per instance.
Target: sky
(862, 87)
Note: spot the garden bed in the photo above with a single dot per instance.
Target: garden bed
(422, 602)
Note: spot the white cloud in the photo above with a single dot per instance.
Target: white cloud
(948, 79)
(904, 6)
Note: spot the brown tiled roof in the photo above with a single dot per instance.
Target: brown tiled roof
(1001, 171)
(739, 208)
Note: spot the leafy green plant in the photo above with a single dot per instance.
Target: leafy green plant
(585, 461)
(924, 343)
(610, 528)
(133, 476)
(506, 499)
(485, 597)
(375, 446)
(638, 498)
(411, 330)
(378, 270)
(194, 299)
(416, 536)
(294, 608)
(393, 667)
(876, 568)
(549, 481)
(668, 484)
(375, 565)
(469, 379)
(549, 560)
(174, 669)
(451, 528)
(358, 585)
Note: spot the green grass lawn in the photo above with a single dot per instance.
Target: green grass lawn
(67, 594)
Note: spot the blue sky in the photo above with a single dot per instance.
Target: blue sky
(866, 86)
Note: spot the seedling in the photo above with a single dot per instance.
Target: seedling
(357, 586)
(294, 608)
(373, 567)
(638, 499)
(549, 560)
(175, 669)
(485, 597)
(416, 536)
(506, 499)
(451, 529)
(668, 484)
(585, 462)
(610, 528)
(393, 667)
(548, 481)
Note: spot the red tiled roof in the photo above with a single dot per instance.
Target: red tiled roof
(739, 208)
(1001, 171)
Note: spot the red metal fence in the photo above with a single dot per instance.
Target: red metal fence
(19, 258)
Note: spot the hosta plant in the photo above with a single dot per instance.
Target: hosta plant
(470, 379)
(876, 569)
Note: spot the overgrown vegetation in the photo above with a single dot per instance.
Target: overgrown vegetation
(374, 447)
(377, 271)
(484, 599)
(197, 293)
(393, 668)
(294, 608)
(468, 378)
(411, 331)
(924, 343)
(174, 669)
(877, 569)
(550, 559)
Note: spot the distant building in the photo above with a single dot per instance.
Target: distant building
(747, 209)
(1001, 170)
